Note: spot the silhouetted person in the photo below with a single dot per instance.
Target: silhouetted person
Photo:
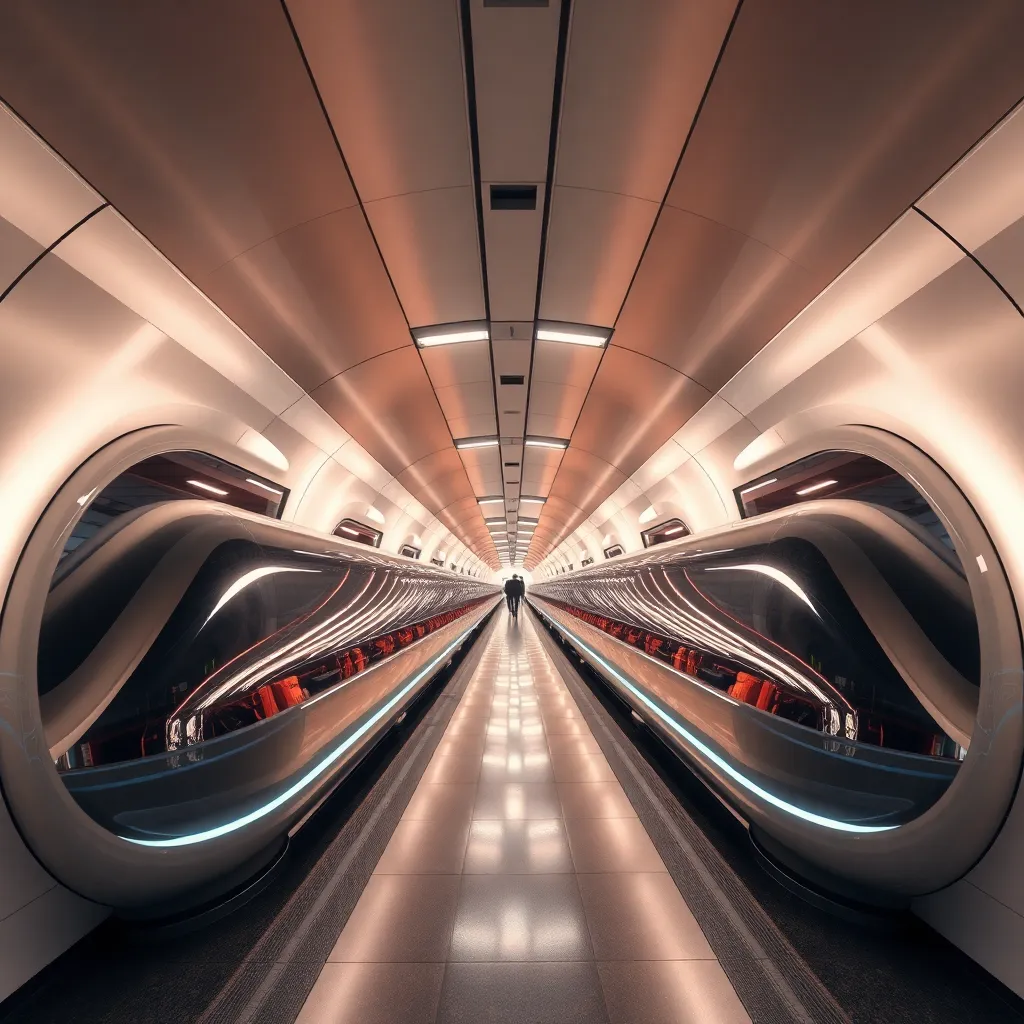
(518, 592)
(510, 590)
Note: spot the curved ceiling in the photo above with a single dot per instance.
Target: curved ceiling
(323, 173)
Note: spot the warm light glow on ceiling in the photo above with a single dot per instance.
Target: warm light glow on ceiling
(821, 485)
(207, 487)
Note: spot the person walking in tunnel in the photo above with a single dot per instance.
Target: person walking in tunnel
(510, 591)
(518, 593)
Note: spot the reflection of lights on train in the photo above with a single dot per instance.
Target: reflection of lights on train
(720, 762)
(768, 570)
(312, 775)
(250, 577)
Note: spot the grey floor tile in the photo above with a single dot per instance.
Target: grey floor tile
(425, 847)
(449, 801)
(563, 993)
(594, 800)
(670, 992)
(400, 919)
(517, 800)
(612, 844)
(374, 994)
(517, 847)
(520, 917)
(641, 917)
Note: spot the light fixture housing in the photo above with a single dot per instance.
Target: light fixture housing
(451, 334)
(757, 487)
(490, 499)
(532, 499)
(266, 487)
(494, 519)
(572, 334)
(528, 520)
(464, 443)
(547, 442)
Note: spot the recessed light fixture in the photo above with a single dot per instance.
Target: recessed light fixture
(476, 442)
(451, 334)
(533, 501)
(757, 487)
(820, 486)
(348, 529)
(266, 487)
(527, 519)
(547, 442)
(573, 334)
(207, 487)
(490, 500)
(674, 530)
(494, 519)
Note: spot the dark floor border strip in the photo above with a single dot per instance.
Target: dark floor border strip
(772, 980)
(272, 983)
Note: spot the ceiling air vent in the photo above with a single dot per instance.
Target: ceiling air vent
(516, 3)
(513, 197)
(513, 378)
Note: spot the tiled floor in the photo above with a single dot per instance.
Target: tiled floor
(520, 886)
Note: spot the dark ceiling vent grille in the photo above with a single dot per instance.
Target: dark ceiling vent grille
(516, 3)
(513, 197)
(513, 378)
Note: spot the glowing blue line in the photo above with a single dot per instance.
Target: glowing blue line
(783, 805)
(310, 776)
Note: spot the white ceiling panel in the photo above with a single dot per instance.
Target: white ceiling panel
(514, 45)
(467, 362)
(431, 245)
(512, 238)
(595, 240)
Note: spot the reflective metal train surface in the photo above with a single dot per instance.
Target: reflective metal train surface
(204, 676)
(830, 672)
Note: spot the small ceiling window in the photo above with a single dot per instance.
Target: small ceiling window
(614, 551)
(350, 529)
(672, 529)
(586, 562)
(409, 551)
(439, 562)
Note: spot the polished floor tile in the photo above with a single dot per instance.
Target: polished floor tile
(517, 800)
(424, 847)
(640, 916)
(400, 919)
(522, 993)
(374, 994)
(520, 917)
(611, 844)
(573, 744)
(580, 766)
(455, 768)
(448, 801)
(667, 992)
(517, 847)
(594, 800)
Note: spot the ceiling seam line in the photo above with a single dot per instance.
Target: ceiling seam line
(362, 208)
(561, 60)
(469, 75)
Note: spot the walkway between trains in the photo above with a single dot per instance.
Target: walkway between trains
(520, 885)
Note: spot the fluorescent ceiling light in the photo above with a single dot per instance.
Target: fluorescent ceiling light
(348, 529)
(532, 501)
(757, 487)
(376, 515)
(266, 487)
(546, 442)
(527, 519)
(494, 519)
(573, 334)
(818, 486)
(451, 334)
(490, 501)
(476, 442)
(675, 529)
(207, 487)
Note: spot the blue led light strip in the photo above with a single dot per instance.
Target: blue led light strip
(311, 776)
(716, 759)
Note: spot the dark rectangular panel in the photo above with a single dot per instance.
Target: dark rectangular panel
(513, 197)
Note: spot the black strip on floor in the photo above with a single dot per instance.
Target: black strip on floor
(260, 963)
(906, 975)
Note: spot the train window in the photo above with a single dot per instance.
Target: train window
(671, 529)
(409, 551)
(586, 562)
(838, 474)
(350, 529)
(614, 551)
(439, 562)
(176, 476)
